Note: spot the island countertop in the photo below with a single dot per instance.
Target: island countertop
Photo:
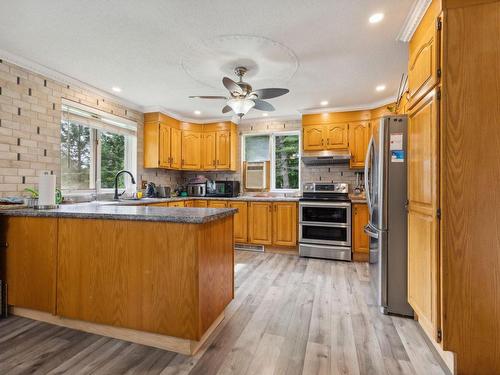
(118, 212)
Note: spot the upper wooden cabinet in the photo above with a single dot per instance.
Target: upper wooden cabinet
(171, 144)
(424, 68)
(325, 137)
(260, 223)
(285, 223)
(191, 150)
(360, 243)
(359, 137)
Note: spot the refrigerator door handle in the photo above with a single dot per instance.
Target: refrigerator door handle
(370, 232)
(367, 164)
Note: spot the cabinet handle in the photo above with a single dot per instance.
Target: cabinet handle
(328, 141)
(322, 142)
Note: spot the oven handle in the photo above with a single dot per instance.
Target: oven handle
(328, 225)
(325, 204)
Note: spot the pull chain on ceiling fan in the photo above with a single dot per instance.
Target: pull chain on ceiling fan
(242, 98)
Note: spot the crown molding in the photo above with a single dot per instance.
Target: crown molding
(64, 78)
(413, 19)
(248, 120)
(364, 107)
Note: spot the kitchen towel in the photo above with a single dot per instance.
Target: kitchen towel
(47, 189)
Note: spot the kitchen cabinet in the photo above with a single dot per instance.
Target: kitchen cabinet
(30, 258)
(360, 240)
(216, 204)
(240, 221)
(284, 223)
(176, 204)
(222, 150)
(188, 203)
(208, 146)
(200, 203)
(423, 202)
(175, 148)
(325, 137)
(191, 150)
(260, 223)
(359, 137)
(162, 142)
(164, 151)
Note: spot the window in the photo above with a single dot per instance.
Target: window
(283, 152)
(92, 152)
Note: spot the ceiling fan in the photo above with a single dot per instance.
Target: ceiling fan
(242, 98)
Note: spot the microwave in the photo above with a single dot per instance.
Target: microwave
(224, 189)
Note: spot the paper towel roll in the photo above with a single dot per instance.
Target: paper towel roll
(47, 190)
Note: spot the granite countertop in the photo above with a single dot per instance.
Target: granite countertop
(95, 210)
(244, 198)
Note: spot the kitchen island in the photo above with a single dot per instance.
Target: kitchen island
(152, 275)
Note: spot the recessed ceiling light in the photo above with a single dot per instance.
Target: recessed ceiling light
(380, 88)
(376, 18)
(197, 112)
(116, 89)
(324, 102)
(265, 114)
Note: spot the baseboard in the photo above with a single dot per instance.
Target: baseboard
(174, 344)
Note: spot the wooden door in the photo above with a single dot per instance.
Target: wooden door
(423, 226)
(336, 136)
(424, 61)
(176, 204)
(359, 136)
(208, 157)
(200, 203)
(223, 149)
(191, 150)
(31, 261)
(313, 138)
(260, 224)
(217, 204)
(175, 148)
(285, 224)
(240, 221)
(164, 149)
(361, 244)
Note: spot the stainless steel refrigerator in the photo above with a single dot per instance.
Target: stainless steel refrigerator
(386, 195)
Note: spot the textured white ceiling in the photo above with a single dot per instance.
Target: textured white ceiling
(154, 49)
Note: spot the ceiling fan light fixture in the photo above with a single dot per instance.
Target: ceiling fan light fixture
(241, 106)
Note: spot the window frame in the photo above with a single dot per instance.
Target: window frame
(272, 156)
(130, 162)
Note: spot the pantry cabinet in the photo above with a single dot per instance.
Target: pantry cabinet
(240, 221)
(359, 137)
(360, 240)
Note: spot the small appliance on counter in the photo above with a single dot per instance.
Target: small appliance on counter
(163, 191)
(151, 190)
(226, 189)
(197, 189)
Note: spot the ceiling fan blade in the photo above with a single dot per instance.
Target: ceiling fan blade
(270, 93)
(261, 105)
(206, 97)
(226, 109)
(231, 86)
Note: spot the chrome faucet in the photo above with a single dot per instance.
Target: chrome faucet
(116, 197)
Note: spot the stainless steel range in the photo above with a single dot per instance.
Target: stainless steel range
(325, 221)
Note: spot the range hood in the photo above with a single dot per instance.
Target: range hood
(326, 157)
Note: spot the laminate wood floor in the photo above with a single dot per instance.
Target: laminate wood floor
(290, 316)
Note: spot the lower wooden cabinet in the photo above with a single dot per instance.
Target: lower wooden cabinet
(217, 204)
(360, 240)
(176, 204)
(31, 257)
(240, 221)
(189, 204)
(200, 203)
(260, 223)
(285, 224)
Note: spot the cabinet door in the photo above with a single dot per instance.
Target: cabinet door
(176, 204)
(359, 136)
(200, 203)
(161, 204)
(191, 150)
(361, 245)
(423, 228)
(424, 63)
(336, 136)
(188, 203)
(240, 221)
(260, 223)
(223, 149)
(217, 204)
(31, 262)
(285, 224)
(208, 157)
(175, 148)
(313, 137)
(164, 149)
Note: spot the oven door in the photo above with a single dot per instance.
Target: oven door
(329, 213)
(336, 235)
